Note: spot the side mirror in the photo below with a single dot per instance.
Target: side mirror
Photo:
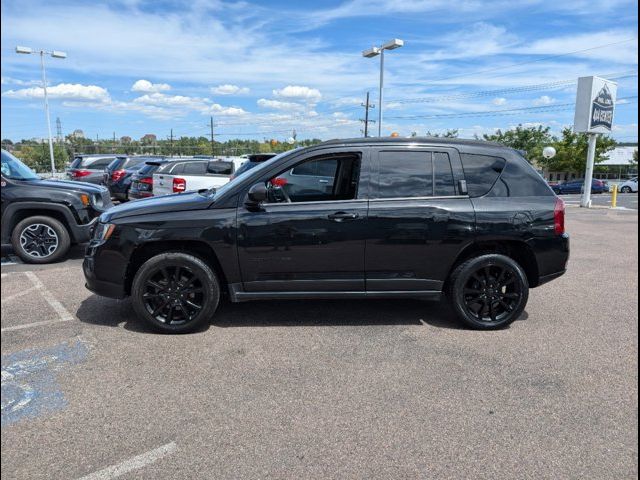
(256, 195)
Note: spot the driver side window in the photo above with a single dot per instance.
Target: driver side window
(319, 179)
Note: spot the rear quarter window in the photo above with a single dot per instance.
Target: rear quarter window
(481, 172)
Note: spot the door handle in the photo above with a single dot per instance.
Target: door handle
(323, 181)
(342, 216)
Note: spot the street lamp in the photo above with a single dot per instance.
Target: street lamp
(42, 53)
(374, 52)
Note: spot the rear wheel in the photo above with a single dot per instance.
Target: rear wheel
(175, 292)
(40, 239)
(489, 292)
(625, 189)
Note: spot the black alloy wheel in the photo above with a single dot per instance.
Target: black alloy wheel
(175, 292)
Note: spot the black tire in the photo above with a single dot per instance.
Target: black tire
(625, 189)
(496, 284)
(40, 239)
(167, 289)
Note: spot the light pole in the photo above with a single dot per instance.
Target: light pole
(42, 53)
(373, 52)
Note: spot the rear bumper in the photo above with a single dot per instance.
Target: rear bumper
(553, 258)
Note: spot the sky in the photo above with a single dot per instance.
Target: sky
(263, 69)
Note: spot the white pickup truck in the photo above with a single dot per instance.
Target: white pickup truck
(194, 174)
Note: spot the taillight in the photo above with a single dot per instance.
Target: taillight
(278, 182)
(117, 175)
(179, 185)
(147, 180)
(558, 217)
(80, 173)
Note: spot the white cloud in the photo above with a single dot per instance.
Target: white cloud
(310, 95)
(224, 111)
(162, 100)
(16, 81)
(544, 100)
(280, 105)
(66, 91)
(146, 86)
(499, 101)
(228, 89)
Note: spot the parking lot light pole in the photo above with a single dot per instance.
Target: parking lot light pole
(42, 53)
(374, 52)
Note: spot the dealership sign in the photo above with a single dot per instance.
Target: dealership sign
(595, 103)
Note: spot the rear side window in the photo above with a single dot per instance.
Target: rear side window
(481, 172)
(405, 174)
(76, 162)
(148, 169)
(195, 168)
(220, 168)
(100, 163)
(133, 162)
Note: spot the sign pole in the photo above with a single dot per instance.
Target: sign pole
(588, 176)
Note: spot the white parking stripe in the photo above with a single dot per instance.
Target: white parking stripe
(132, 464)
(48, 296)
(17, 295)
(34, 324)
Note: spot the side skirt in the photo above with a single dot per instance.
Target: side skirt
(237, 294)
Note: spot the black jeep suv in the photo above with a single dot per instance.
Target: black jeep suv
(379, 218)
(41, 218)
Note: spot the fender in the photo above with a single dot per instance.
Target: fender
(79, 233)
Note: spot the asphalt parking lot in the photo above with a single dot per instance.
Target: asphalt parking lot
(332, 389)
(625, 200)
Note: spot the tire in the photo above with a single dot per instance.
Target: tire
(168, 287)
(493, 276)
(625, 189)
(40, 239)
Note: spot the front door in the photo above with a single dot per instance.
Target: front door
(310, 234)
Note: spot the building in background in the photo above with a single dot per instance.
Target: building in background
(619, 165)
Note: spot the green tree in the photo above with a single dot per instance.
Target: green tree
(531, 140)
(37, 156)
(449, 133)
(572, 149)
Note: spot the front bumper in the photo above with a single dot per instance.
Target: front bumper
(100, 287)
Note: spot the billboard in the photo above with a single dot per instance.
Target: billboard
(595, 104)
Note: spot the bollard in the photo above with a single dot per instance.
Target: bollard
(614, 195)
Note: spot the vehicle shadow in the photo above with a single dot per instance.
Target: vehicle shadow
(108, 312)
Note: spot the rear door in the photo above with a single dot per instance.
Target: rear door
(418, 219)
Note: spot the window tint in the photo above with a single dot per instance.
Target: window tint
(481, 172)
(317, 168)
(518, 179)
(220, 168)
(148, 169)
(195, 168)
(176, 168)
(324, 179)
(99, 164)
(442, 175)
(405, 174)
(133, 162)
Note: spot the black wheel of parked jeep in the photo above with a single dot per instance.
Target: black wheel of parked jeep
(175, 292)
(40, 239)
(489, 291)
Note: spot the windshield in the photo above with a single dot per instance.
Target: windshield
(14, 169)
(262, 166)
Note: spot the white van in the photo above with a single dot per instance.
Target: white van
(194, 174)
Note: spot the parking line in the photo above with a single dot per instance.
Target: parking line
(132, 464)
(17, 295)
(63, 314)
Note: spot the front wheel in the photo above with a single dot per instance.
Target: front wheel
(175, 292)
(489, 291)
(626, 190)
(40, 239)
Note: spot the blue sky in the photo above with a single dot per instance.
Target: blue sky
(265, 68)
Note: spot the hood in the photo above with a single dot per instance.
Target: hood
(69, 185)
(167, 203)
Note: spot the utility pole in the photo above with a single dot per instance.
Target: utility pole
(171, 143)
(366, 120)
(113, 148)
(212, 144)
(59, 129)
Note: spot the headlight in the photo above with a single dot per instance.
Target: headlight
(103, 231)
(98, 202)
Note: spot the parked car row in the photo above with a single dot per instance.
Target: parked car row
(597, 186)
(158, 175)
